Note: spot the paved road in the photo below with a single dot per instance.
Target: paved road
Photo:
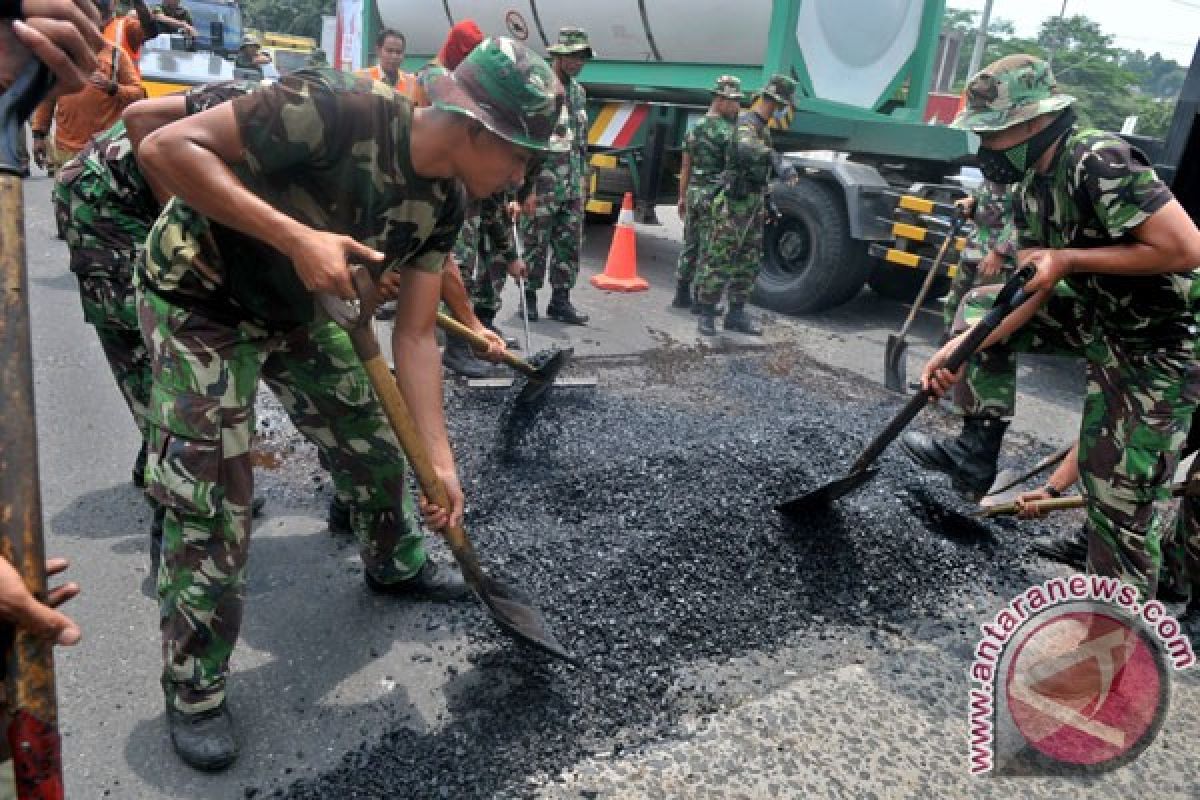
(313, 639)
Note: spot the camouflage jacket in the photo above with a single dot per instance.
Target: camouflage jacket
(561, 178)
(425, 77)
(993, 217)
(332, 151)
(751, 157)
(708, 145)
(1098, 189)
(120, 208)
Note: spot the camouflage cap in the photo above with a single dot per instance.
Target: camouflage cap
(509, 88)
(1010, 91)
(728, 86)
(781, 89)
(572, 42)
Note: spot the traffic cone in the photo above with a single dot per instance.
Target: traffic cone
(620, 272)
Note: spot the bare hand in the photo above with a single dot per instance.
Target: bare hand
(1028, 504)
(62, 34)
(529, 207)
(518, 269)
(389, 285)
(967, 206)
(100, 81)
(436, 517)
(514, 210)
(23, 610)
(935, 376)
(991, 264)
(496, 349)
(322, 261)
(1052, 266)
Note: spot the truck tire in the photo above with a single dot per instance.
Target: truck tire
(810, 261)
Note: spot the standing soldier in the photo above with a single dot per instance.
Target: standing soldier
(704, 153)
(1091, 213)
(554, 234)
(739, 211)
(274, 197)
(991, 251)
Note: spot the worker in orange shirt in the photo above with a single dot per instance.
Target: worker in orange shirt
(130, 31)
(389, 50)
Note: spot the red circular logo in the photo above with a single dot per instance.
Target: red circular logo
(1087, 688)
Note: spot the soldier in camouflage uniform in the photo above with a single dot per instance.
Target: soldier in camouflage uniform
(172, 16)
(1089, 211)
(275, 193)
(704, 151)
(991, 251)
(734, 255)
(553, 235)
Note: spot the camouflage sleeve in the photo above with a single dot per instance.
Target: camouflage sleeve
(751, 149)
(1122, 186)
(206, 96)
(493, 221)
(994, 228)
(290, 122)
(433, 251)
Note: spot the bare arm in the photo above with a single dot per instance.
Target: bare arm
(191, 158)
(146, 116)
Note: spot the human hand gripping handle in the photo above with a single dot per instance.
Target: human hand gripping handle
(322, 261)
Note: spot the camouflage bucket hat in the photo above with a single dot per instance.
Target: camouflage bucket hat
(728, 86)
(509, 88)
(1013, 90)
(572, 42)
(781, 89)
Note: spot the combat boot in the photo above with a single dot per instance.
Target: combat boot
(683, 295)
(707, 324)
(432, 582)
(969, 459)
(339, 518)
(458, 358)
(204, 740)
(560, 308)
(1066, 547)
(531, 304)
(739, 322)
(488, 318)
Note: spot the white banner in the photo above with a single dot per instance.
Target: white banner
(348, 55)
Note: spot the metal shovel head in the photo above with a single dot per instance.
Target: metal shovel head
(894, 363)
(514, 612)
(535, 388)
(819, 500)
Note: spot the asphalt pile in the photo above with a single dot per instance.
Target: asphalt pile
(640, 518)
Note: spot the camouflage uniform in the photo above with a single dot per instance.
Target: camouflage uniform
(1138, 334)
(554, 235)
(179, 12)
(993, 233)
(484, 250)
(215, 326)
(707, 144)
(739, 211)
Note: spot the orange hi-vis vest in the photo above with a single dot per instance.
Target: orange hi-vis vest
(406, 83)
(116, 33)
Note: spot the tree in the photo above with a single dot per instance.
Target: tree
(302, 17)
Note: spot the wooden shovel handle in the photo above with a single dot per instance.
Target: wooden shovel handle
(451, 325)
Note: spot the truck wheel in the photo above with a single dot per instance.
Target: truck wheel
(810, 261)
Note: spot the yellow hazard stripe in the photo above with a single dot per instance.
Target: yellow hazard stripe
(599, 207)
(604, 161)
(600, 125)
(156, 88)
(902, 230)
(900, 257)
(918, 204)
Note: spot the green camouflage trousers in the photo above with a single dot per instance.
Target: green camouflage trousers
(110, 307)
(1136, 416)
(552, 239)
(734, 254)
(697, 229)
(201, 419)
(483, 267)
(965, 279)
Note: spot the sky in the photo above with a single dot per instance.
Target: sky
(1170, 27)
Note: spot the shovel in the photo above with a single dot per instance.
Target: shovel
(1010, 297)
(894, 363)
(1009, 478)
(511, 608)
(540, 378)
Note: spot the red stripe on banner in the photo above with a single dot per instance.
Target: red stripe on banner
(631, 125)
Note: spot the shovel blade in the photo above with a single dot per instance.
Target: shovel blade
(513, 610)
(820, 499)
(536, 388)
(894, 364)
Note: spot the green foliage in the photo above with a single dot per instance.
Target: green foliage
(301, 17)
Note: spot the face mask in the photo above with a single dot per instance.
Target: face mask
(1010, 165)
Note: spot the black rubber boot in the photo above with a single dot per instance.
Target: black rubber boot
(139, 468)
(707, 324)
(438, 584)
(969, 459)
(738, 321)
(1065, 547)
(458, 358)
(488, 318)
(204, 740)
(683, 295)
(531, 304)
(560, 308)
(339, 518)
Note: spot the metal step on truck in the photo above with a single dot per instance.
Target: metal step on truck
(858, 135)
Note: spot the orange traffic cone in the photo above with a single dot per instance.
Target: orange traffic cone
(620, 272)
